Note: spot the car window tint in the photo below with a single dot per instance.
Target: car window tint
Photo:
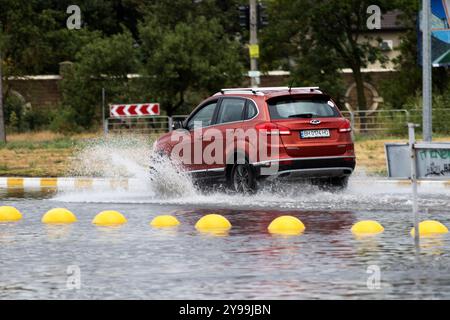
(251, 111)
(296, 108)
(203, 117)
(231, 110)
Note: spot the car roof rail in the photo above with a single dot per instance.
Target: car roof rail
(253, 90)
(263, 89)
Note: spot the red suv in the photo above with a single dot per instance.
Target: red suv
(244, 135)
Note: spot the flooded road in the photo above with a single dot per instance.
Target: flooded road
(135, 261)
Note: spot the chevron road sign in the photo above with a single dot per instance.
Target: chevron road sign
(134, 110)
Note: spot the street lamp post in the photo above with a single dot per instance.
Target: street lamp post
(426, 71)
(253, 39)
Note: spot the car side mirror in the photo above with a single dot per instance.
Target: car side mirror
(177, 124)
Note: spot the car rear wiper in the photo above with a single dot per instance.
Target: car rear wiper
(302, 115)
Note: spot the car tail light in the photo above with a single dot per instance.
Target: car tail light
(273, 128)
(345, 127)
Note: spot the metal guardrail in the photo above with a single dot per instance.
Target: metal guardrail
(389, 122)
(142, 125)
(441, 119)
(380, 121)
(394, 121)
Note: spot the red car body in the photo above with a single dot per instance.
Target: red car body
(316, 143)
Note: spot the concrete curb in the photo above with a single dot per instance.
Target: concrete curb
(401, 183)
(64, 183)
(132, 183)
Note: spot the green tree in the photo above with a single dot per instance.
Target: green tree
(406, 82)
(169, 13)
(186, 55)
(403, 89)
(286, 46)
(322, 36)
(104, 63)
(38, 38)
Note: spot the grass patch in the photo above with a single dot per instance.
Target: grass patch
(63, 143)
(47, 154)
(39, 154)
(44, 140)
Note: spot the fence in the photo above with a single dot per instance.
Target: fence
(142, 125)
(380, 122)
(393, 122)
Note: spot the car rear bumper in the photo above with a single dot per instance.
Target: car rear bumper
(317, 167)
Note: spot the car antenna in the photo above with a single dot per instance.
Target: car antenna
(290, 86)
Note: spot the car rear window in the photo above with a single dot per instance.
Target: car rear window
(291, 108)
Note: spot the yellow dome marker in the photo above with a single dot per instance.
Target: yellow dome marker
(429, 228)
(213, 223)
(286, 225)
(367, 227)
(9, 214)
(59, 215)
(109, 218)
(164, 221)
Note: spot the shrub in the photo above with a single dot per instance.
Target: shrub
(64, 121)
(36, 119)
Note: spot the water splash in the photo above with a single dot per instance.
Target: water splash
(112, 157)
(168, 181)
(129, 156)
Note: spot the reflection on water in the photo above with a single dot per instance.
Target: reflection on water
(434, 245)
(367, 247)
(137, 261)
(367, 195)
(58, 231)
(20, 193)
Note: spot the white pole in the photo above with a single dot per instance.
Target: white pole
(412, 141)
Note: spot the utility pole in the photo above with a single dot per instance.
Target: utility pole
(254, 41)
(2, 116)
(426, 71)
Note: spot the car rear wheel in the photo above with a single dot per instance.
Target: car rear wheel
(243, 178)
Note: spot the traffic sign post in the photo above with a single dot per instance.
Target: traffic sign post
(427, 161)
(412, 154)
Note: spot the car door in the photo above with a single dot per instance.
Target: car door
(230, 116)
(203, 118)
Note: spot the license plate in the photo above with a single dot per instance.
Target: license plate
(308, 134)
